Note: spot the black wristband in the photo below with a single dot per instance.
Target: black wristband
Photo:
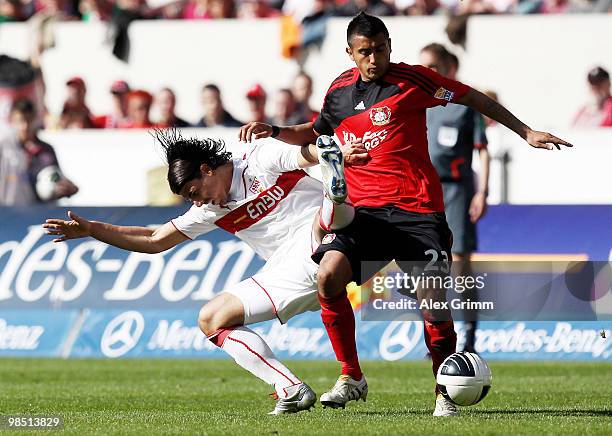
(275, 131)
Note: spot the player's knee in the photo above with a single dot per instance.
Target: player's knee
(334, 274)
(208, 322)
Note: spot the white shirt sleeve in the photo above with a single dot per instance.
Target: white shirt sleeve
(275, 157)
(195, 222)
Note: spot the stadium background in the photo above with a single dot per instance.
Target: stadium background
(84, 299)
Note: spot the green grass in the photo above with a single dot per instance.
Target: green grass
(217, 397)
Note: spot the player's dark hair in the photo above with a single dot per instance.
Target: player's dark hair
(24, 107)
(365, 25)
(185, 155)
(211, 87)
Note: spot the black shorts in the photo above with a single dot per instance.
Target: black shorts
(379, 235)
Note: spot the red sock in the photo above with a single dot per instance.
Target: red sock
(441, 341)
(339, 321)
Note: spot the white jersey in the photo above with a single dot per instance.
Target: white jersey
(270, 201)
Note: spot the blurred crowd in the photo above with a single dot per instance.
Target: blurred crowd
(141, 109)
(303, 11)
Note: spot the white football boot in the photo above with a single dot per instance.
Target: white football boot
(445, 407)
(332, 168)
(346, 389)
(303, 398)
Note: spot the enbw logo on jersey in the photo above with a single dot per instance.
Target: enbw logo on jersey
(265, 202)
(380, 115)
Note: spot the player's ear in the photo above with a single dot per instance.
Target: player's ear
(205, 170)
(349, 51)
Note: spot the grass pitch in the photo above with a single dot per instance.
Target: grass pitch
(217, 397)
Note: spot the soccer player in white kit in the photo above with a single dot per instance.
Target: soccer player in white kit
(269, 202)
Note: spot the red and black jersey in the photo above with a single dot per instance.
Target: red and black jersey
(389, 116)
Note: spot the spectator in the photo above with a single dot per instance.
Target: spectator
(299, 9)
(302, 91)
(11, 10)
(554, 6)
(418, 7)
(285, 109)
(15, 189)
(372, 7)
(75, 113)
(256, 96)
(197, 10)
(118, 116)
(256, 9)
(19, 79)
(598, 111)
(221, 9)
(138, 109)
(474, 7)
(215, 114)
(44, 174)
(165, 101)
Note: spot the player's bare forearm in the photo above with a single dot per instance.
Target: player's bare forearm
(483, 176)
(128, 238)
(300, 134)
(139, 239)
(132, 238)
(489, 107)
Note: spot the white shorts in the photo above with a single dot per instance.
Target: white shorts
(286, 286)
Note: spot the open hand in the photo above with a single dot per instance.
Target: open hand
(545, 140)
(76, 228)
(254, 131)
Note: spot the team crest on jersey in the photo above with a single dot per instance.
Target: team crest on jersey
(329, 238)
(444, 94)
(380, 115)
(255, 187)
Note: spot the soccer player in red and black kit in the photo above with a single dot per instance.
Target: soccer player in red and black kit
(378, 111)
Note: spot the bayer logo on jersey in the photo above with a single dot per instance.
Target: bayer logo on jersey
(464, 378)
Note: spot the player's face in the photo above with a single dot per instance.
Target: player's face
(371, 55)
(209, 189)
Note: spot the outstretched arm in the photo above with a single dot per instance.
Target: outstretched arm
(132, 238)
(297, 135)
(489, 107)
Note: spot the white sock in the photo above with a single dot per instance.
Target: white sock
(251, 352)
(335, 216)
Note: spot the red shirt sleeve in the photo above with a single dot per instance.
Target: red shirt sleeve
(438, 90)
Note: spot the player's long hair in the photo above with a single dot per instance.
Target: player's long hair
(186, 155)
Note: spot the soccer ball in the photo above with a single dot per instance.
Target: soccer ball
(464, 378)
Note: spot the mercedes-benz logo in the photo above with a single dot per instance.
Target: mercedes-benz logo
(122, 334)
(399, 339)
